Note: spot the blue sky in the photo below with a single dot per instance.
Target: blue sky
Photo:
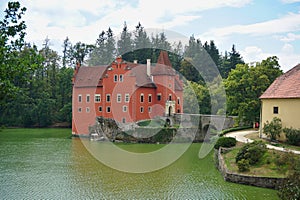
(258, 28)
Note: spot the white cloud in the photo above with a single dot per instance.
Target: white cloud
(287, 23)
(287, 56)
(290, 1)
(289, 37)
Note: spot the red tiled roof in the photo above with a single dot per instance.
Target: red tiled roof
(89, 76)
(178, 85)
(285, 86)
(163, 65)
(142, 80)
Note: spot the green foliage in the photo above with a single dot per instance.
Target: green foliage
(290, 189)
(252, 152)
(292, 136)
(243, 165)
(234, 129)
(273, 129)
(225, 142)
(245, 84)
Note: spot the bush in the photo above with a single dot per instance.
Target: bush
(239, 128)
(252, 152)
(243, 165)
(225, 142)
(273, 129)
(292, 136)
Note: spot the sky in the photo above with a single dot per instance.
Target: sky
(258, 28)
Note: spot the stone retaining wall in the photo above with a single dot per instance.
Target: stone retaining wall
(266, 182)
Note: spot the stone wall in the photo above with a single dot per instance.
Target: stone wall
(266, 182)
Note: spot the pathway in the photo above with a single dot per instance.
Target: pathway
(240, 136)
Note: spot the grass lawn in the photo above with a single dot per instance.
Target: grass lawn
(254, 136)
(266, 167)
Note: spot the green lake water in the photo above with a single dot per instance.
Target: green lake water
(48, 164)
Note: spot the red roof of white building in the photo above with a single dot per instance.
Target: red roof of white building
(285, 86)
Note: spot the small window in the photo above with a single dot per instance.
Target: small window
(126, 98)
(119, 98)
(149, 109)
(108, 109)
(79, 98)
(97, 98)
(142, 98)
(87, 109)
(124, 108)
(79, 110)
(142, 109)
(121, 78)
(170, 97)
(275, 110)
(149, 98)
(124, 120)
(158, 97)
(87, 98)
(100, 108)
(115, 78)
(108, 98)
(178, 100)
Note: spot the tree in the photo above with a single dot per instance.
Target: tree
(273, 129)
(244, 85)
(125, 44)
(66, 50)
(79, 52)
(229, 62)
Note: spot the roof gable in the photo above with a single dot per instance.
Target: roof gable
(285, 86)
(89, 76)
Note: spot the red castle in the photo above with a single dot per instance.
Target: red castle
(126, 92)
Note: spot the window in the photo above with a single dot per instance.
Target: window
(108, 109)
(142, 109)
(100, 108)
(115, 78)
(79, 98)
(142, 98)
(124, 108)
(87, 109)
(275, 110)
(121, 78)
(158, 97)
(170, 97)
(97, 98)
(149, 109)
(108, 98)
(126, 98)
(87, 98)
(119, 98)
(149, 98)
(79, 110)
(178, 100)
(124, 120)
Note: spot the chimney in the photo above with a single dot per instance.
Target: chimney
(135, 61)
(148, 67)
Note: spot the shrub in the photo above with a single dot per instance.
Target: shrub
(243, 165)
(273, 129)
(252, 152)
(225, 142)
(292, 136)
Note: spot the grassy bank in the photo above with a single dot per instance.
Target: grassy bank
(273, 164)
(23, 133)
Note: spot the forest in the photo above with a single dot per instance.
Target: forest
(36, 86)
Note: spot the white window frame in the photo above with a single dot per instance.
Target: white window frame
(97, 98)
(149, 109)
(115, 77)
(121, 77)
(119, 98)
(88, 98)
(127, 98)
(79, 98)
(100, 108)
(142, 99)
(108, 95)
(79, 109)
(108, 107)
(125, 108)
(150, 98)
(142, 109)
(87, 109)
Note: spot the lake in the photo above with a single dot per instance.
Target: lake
(49, 164)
